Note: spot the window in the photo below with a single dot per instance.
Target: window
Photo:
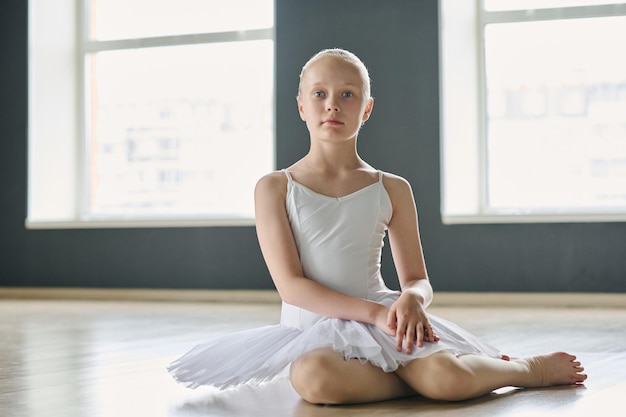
(156, 113)
(533, 111)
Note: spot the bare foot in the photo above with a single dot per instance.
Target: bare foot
(557, 368)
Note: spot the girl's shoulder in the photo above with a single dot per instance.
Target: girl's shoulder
(395, 183)
(400, 193)
(272, 182)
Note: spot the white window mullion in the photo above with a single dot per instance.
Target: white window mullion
(178, 40)
(510, 16)
(83, 145)
(481, 104)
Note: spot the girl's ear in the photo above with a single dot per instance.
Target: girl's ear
(300, 108)
(368, 109)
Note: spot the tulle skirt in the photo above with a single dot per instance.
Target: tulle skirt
(258, 355)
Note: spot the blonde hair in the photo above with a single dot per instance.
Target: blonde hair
(346, 56)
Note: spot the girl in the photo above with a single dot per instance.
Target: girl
(346, 336)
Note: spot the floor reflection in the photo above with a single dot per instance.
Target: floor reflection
(101, 359)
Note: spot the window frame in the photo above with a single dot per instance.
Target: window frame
(463, 116)
(76, 145)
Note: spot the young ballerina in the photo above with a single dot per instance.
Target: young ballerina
(344, 335)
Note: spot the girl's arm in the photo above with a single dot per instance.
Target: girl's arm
(407, 315)
(282, 259)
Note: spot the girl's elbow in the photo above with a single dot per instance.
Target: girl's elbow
(287, 294)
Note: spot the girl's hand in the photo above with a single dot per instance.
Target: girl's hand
(409, 321)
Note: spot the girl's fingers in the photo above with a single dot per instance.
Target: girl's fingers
(399, 339)
(425, 334)
(429, 334)
(434, 336)
(411, 336)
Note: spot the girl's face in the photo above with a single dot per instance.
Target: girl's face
(331, 99)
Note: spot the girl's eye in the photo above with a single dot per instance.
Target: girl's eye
(318, 94)
(347, 94)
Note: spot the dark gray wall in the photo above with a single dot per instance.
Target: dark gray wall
(398, 41)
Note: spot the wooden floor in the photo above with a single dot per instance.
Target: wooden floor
(102, 358)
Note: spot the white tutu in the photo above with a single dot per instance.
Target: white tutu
(340, 242)
(258, 355)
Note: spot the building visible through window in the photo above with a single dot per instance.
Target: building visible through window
(154, 111)
(181, 126)
(556, 119)
(533, 110)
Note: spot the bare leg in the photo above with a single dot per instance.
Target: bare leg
(444, 376)
(323, 376)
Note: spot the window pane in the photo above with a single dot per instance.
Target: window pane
(120, 19)
(556, 128)
(497, 5)
(173, 128)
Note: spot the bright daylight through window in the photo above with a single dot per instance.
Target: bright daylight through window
(175, 104)
(549, 140)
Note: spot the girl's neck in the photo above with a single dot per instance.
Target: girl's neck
(333, 158)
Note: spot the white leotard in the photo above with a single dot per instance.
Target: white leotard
(340, 242)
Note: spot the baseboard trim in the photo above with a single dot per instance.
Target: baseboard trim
(140, 294)
(442, 299)
(556, 300)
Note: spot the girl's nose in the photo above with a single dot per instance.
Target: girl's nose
(332, 105)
